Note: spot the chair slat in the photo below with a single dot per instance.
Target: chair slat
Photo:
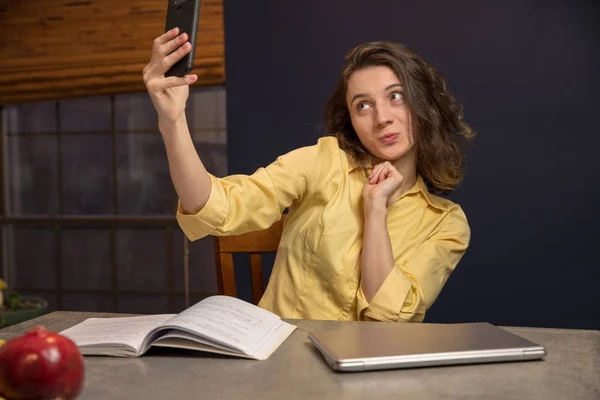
(254, 243)
(219, 265)
(228, 275)
(256, 277)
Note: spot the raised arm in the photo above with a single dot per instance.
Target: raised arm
(243, 203)
(169, 96)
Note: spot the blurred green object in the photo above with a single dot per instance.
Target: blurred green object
(8, 318)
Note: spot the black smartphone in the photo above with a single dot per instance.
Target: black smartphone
(183, 14)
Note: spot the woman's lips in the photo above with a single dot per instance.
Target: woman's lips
(390, 138)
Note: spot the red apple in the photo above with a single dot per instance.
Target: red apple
(40, 365)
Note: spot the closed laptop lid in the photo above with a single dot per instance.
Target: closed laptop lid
(436, 343)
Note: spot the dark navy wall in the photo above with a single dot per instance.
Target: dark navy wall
(527, 74)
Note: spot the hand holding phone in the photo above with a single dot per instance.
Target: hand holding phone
(167, 76)
(183, 14)
(169, 94)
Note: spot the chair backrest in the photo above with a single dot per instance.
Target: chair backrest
(254, 243)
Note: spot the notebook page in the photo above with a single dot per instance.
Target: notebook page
(177, 335)
(228, 320)
(95, 332)
(274, 341)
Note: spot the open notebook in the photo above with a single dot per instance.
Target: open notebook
(217, 324)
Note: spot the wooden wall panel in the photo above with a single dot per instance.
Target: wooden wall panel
(51, 49)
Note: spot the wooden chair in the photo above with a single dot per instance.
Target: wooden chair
(255, 243)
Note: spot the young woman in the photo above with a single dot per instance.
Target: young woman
(366, 237)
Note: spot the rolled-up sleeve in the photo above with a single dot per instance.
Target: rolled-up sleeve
(242, 203)
(418, 278)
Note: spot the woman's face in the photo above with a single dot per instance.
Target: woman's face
(379, 114)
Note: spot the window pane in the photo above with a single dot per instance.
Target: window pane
(144, 183)
(217, 136)
(222, 108)
(143, 188)
(37, 117)
(142, 260)
(86, 114)
(92, 302)
(32, 171)
(213, 156)
(134, 112)
(87, 174)
(203, 275)
(204, 110)
(143, 304)
(34, 258)
(179, 302)
(85, 258)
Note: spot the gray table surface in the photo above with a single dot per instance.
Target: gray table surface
(571, 370)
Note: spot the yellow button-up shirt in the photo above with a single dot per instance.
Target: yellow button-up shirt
(317, 270)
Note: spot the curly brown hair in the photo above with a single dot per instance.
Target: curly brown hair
(438, 119)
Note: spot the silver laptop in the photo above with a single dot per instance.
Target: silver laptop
(408, 345)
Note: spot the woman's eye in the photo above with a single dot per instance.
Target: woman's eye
(362, 106)
(397, 96)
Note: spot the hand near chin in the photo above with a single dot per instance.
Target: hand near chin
(381, 189)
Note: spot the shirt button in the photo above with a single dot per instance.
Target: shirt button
(351, 286)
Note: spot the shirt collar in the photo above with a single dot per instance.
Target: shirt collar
(419, 187)
(433, 200)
